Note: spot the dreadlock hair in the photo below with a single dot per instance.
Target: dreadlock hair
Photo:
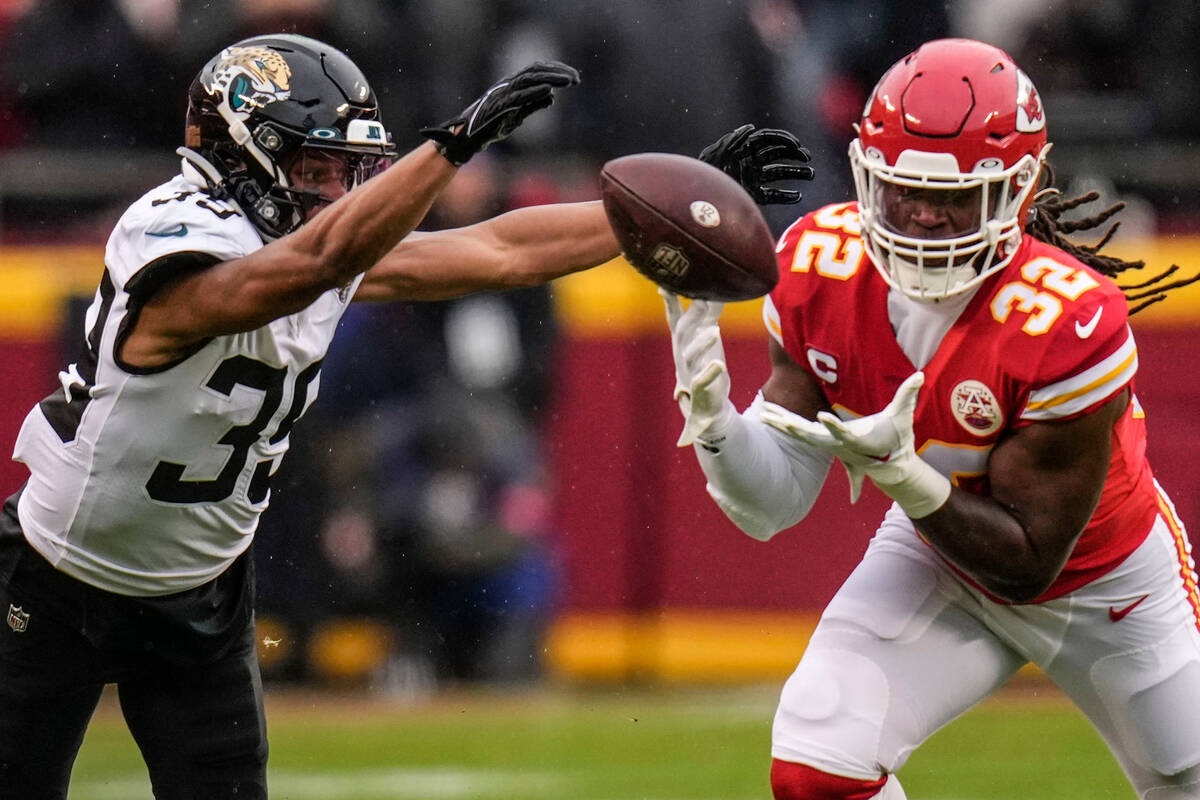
(1046, 224)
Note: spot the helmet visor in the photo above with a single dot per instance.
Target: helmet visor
(332, 172)
(922, 210)
(319, 175)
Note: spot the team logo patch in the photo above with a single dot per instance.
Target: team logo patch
(18, 620)
(1030, 116)
(250, 78)
(976, 408)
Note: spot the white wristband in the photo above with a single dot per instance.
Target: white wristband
(919, 489)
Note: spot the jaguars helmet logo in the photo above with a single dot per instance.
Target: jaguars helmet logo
(250, 77)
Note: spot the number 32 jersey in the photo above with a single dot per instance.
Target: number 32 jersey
(148, 482)
(1045, 339)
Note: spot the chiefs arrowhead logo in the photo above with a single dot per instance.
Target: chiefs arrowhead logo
(1030, 116)
(975, 408)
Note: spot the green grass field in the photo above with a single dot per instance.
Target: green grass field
(610, 744)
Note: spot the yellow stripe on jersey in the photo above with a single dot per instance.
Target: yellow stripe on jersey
(1183, 550)
(1074, 394)
(771, 320)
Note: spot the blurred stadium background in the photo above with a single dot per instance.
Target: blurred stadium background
(485, 534)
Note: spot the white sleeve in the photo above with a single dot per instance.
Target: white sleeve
(762, 479)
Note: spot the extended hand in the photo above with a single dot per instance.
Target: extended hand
(880, 446)
(500, 110)
(755, 157)
(701, 378)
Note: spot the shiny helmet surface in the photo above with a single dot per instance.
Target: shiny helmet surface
(955, 130)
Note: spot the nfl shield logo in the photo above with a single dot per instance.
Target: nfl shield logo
(18, 620)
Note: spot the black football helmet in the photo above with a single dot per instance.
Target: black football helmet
(263, 104)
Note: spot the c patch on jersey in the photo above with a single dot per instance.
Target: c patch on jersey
(976, 408)
(823, 365)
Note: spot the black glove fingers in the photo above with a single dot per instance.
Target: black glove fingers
(770, 196)
(774, 135)
(779, 145)
(774, 152)
(787, 172)
(552, 73)
(500, 110)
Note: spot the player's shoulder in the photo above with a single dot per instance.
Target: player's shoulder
(837, 219)
(177, 217)
(1058, 315)
(1046, 291)
(821, 252)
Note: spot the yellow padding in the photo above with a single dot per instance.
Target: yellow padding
(349, 650)
(707, 646)
(38, 282)
(610, 301)
(686, 646)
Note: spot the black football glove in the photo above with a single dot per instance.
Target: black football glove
(755, 157)
(500, 110)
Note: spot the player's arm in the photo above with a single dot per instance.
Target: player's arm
(525, 247)
(1046, 480)
(288, 274)
(763, 480)
(342, 241)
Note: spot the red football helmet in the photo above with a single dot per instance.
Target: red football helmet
(956, 131)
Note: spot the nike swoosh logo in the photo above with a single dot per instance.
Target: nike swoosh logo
(1118, 614)
(178, 230)
(1084, 331)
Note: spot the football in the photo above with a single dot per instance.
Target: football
(689, 227)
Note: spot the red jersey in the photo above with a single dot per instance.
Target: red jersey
(1046, 338)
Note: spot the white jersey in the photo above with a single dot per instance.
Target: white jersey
(149, 482)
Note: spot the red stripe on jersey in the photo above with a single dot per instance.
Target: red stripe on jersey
(1183, 549)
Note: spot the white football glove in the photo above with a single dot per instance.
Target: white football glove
(701, 377)
(880, 446)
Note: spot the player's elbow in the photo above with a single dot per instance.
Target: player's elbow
(751, 521)
(1017, 594)
(1023, 587)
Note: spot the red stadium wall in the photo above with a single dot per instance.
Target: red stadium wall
(656, 580)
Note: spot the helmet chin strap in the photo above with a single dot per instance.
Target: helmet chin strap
(200, 171)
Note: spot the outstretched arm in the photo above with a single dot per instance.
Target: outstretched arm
(521, 248)
(343, 240)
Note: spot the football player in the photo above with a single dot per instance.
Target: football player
(125, 557)
(939, 338)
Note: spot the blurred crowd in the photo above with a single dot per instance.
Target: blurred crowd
(422, 501)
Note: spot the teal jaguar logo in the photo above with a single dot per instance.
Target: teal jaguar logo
(250, 78)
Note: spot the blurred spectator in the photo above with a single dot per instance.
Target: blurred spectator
(69, 67)
(427, 506)
(671, 75)
(828, 54)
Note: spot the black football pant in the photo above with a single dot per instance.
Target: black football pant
(184, 665)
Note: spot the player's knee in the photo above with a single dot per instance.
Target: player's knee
(832, 712)
(792, 781)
